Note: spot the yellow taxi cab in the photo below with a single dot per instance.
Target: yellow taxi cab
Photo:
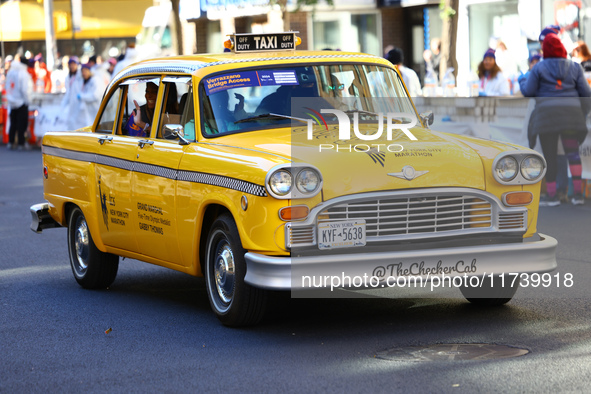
(268, 168)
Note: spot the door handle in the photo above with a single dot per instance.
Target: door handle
(105, 138)
(142, 143)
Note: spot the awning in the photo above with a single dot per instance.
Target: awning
(25, 21)
(20, 21)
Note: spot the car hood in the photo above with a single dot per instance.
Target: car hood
(357, 166)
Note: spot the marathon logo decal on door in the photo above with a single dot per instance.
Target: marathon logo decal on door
(107, 208)
(249, 79)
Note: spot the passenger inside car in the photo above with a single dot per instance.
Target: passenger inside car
(138, 124)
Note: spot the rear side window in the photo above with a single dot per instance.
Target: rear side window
(109, 115)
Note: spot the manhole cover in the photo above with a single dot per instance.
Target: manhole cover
(451, 351)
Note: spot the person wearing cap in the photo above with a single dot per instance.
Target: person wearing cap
(561, 118)
(85, 105)
(411, 79)
(492, 80)
(111, 67)
(561, 160)
(19, 86)
(68, 101)
(550, 29)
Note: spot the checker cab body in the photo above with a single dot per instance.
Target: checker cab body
(256, 169)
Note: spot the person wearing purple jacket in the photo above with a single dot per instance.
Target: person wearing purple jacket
(558, 84)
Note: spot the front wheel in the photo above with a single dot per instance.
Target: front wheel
(490, 291)
(92, 268)
(234, 302)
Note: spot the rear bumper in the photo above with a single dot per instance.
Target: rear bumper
(285, 273)
(41, 219)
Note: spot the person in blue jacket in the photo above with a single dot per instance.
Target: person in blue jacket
(558, 84)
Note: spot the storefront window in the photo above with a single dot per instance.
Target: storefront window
(347, 32)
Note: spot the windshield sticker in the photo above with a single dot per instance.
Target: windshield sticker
(250, 79)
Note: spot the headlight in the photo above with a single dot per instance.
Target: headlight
(307, 181)
(507, 168)
(280, 182)
(291, 181)
(531, 168)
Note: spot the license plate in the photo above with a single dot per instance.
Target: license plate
(342, 234)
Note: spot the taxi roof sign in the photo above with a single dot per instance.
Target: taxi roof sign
(260, 42)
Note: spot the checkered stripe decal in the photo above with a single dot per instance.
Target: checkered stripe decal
(150, 169)
(222, 181)
(114, 162)
(165, 172)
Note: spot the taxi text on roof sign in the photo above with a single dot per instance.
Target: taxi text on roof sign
(264, 42)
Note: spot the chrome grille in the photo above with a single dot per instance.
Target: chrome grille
(512, 220)
(301, 236)
(414, 215)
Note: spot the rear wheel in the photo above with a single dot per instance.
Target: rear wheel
(234, 302)
(493, 291)
(92, 268)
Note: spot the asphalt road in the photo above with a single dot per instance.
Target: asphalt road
(165, 338)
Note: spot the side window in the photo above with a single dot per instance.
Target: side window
(188, 115)
(177, 107)
(139, 107)
(108, 117)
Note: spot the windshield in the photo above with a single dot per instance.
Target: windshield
(259, 99)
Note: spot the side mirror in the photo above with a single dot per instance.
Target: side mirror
(172, 131)
(427, 118)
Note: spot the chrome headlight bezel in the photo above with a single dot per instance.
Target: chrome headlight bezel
(279, 176)
(523, 166)
(519, 178)
(312, 178)
(509, 160)
(296, 170)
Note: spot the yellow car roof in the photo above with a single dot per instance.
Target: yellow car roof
(191, 64)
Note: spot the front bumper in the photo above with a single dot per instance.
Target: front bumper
(285, 273)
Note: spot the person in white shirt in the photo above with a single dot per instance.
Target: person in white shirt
(87, 101)
(131, 56)
(100, 72)
(492, 80)
(411, 79)
(71, 85)
(19, 86)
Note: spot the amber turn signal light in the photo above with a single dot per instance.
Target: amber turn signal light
(295, 212)
(517, 198)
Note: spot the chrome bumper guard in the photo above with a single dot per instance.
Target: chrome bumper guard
(41, 219)
(275, 273)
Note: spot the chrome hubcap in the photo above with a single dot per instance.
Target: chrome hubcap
(224, 273)
(82, 245)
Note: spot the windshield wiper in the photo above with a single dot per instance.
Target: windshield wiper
(270, 116)
(350, 111)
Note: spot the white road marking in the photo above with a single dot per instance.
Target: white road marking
(30, 270)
